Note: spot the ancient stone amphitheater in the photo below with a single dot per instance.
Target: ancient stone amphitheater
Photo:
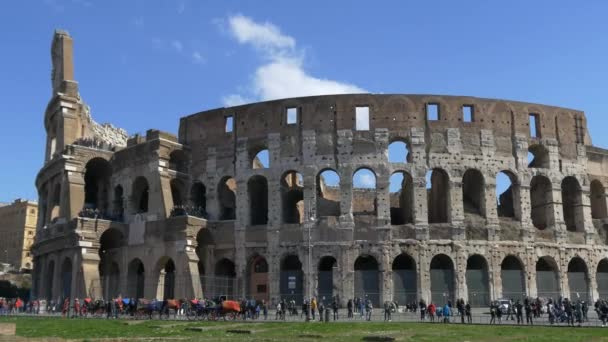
(391, 196)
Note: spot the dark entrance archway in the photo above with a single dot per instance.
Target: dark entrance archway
(66, 278)
(292, 279)
(442, 280)
(50, 276)
(258, 278)
(513, 280)
(136, 279)
(405, 282)
(602, 278)
(478, 283)
(169, 277)
(325, 287)
(578, 279)
(547, 280)
(225, 274)
(366, 279)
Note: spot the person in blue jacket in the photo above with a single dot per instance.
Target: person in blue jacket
(446, 313)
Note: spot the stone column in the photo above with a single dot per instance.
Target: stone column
(386, 275)
(456, 205)
(420, 203)
(555, 214)
(424, 276)
(211, 183)
(527, 228)
(490, 208)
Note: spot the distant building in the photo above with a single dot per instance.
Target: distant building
(17, 230)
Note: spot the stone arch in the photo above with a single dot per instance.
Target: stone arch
(225, 276)
(109, 273)
(367, 278)
(328, 193)
(443, 280)
(178, 192)
(292, 197)
(140, 195)
(547, 278)
(478, 281)
(398, 151)
(538, 156)
(513, 278)
(325, 280)
(260, 158)
(473, 192)
(49, 278)
(572, 204)
(119, 209)
(257, 276)
(204, 239)
(401, 190)
(226, 194)
(541, 202)
(598, 200)
(508, 195)
(578, 279)
(66, 278)
(602, 278)
(405, 279)
(291, 279)
(438, 196)
(136, 276)
(178, 161)
(257, 188)
(364, 200)
(198, 198)
(97, 174)
(166, 279)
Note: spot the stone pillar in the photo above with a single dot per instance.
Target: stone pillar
(456, 205)
(346, 187)
(556, 216)
(347, 273)
(386, 275)
(211, 183)
(72, 195)
(528, 229)
(490, 208)
(274, 278)
(424, 276)
(593, 286)
(421, 216)
(530, 260)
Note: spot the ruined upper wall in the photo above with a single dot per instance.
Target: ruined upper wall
(326, 115)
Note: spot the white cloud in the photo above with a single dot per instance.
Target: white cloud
(283, 75)
(198, 58)
(177, 45)
(235, 100)
(364, 180)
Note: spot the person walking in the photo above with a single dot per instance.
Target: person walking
(431, 310)
(349, 307)
(362, 308)
(493, 313)
(422, 306)
(387, 311)
(368, 309)
(460, 308)
(446, 313)
(519, 312)
(313, 307)
(265, 309)
(335, 307)
(528, 310)
(467, 311)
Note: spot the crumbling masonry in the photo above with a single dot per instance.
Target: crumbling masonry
(263, 201)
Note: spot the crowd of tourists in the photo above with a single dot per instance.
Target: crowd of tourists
(526, 311)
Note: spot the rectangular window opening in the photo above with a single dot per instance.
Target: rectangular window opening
(362, 118)
(534, 125)
(292, 116)
(229, 124)
(432, 111)
(467, 113)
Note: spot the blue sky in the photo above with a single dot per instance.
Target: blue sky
(144, 64)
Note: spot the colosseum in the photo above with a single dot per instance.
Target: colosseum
(397, 197)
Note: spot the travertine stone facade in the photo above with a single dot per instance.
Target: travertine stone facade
(17, 229)
(245, 202)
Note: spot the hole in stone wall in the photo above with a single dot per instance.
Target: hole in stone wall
(398, 152)
(538, 156)
(467, 113)
(226, 193)
(401, 190)
(473, 192)
(257, 187)
(362, 118)
(229, 124)
(598, 200)
(292, 115)
(541, 203)
(572, 204)
(438, 192)
(534, 123)
(140, 195)
(261, 160)
(292, 196)
(328, 193)
(432, 111)
(506, 192)
(364, 192)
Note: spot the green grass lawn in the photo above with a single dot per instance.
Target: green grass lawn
(90, 329)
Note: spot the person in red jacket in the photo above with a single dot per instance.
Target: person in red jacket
(66, 307)
(432, 308)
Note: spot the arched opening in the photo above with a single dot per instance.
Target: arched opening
(178, 192)
(257, 187)
(478, 282)
(507, 195)
(325, 287)
(261, 160)
(398, 152)
(292, 279)
(442, 280)
(258, 278)
(367, 280)
(50, 276)
(97, 185)
(405, 288)
(226, 194)
(602, 278)
(225, 274)
(119, 208)
(598, 200)
(578, 279)
(538, 156)
(292, 197)
(328, 193)
(473, 192)
(547, 278)
(140, 195)
(541, 202)
(136, 279)
(401, 189)
(364, 192)
(66, 278)
(513, 278)
(438, 196)
(198, 198)
(167, 276)
(204, 239)
(572, 205)
(109, 247)
(178, 161)
(55, 203)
